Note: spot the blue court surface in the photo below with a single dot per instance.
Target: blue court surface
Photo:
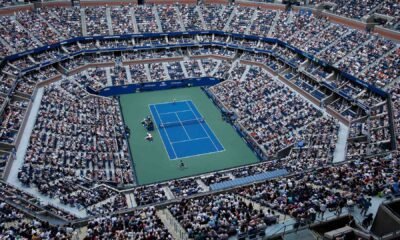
(183, 130)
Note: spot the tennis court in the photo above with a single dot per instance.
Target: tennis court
(183, 130)
(151, 160)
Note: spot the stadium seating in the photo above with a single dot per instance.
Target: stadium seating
(289, 107)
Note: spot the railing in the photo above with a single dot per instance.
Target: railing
(182, 234)
(284, 230)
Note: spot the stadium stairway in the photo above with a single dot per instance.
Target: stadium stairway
(157, 17)
(108, 75)
(253, 17)
(130, 200)
(32, 60)
(105, 201)
(4, 43)
(28, 32)
(203, 23)
(147, 71)
(216, 68)
(184, 69)
(83, 22)
(165, 66)
(355, 50)
(276, 19)
(202, 185)
(135, 27)
(281, 217)
(243, 77)
(389, 86)
(334, 42)
(372, 64)
(19, 161)
(109, 22)
(181, 24)
(340, 150)
(48, 24)
(228, 22)
(173, 226)
(81, 233)
(168, 193)
(203, 73)
(228, 75)
(128, 74)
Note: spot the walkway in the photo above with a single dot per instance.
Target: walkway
(19, 161)
(340, 151)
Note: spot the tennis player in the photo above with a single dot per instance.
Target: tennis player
(149, 137)
(181, 165)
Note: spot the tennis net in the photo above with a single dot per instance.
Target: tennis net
(180, 123)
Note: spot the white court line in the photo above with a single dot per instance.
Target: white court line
(171, 143)
(209, 127)
(215, 146)
(164, 103)
(192, 139)
(198, 155)
(184, 129)
(175, 112)
(155, 108)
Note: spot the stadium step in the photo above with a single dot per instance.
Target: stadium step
(135, 26)
(203, 23)
(254, 17)
(389, 86)
(130, 200)
(4, 43)
(231, 175)
(339, 154)
(54, 15)
(173, 226)
(157, 17)
(48, 24)
(372, 11)
(15, 223)
(165, 66)
(109, 21)
(234, 65)
(184, 69)
(257, 206)
(228, 22)
(372, 64)
(352, 52)
(203, 73)
(28, 32)
(128, 74)
(334, 42)
(101, 203)
(108, 75)
(83, 22)
(180, 19)
(216, 68)
(243, 77)
(81, 233)
(168, 193)
(147, 70)
(32, 60)
(318, 35)
(202, 185)
(276, 19)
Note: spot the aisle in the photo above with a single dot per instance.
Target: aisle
(340, 151)
(19, 161)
